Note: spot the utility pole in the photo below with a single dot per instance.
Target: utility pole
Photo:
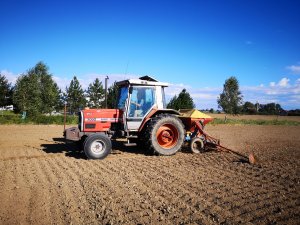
(106, 78)
(257, 106)
(65, 114)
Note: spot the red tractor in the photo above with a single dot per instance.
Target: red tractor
(141, 117)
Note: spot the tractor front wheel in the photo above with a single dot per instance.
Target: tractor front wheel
(97, 146)
(164, 134)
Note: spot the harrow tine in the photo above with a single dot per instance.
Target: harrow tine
(251, 158)
(215, 143)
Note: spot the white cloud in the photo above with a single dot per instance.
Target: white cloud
(87, 79)
(282, 92)
(175, 89)
(62, 82)
(295, 98)
(11, 77)
(296, 89)
(284, 82)
(271, 92)
(295, 69)
(204, 96)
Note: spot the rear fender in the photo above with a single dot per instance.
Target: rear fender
(154, 112)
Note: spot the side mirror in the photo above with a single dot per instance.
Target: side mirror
(130, 90)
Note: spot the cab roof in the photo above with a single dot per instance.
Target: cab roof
(145, 80)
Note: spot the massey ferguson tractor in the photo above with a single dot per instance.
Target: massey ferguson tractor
(142, 118)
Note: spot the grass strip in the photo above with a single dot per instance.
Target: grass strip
(40, 119)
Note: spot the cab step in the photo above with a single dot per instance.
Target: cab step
(130, 144)
(132, 136)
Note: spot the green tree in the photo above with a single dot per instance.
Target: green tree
(270, 109)
(62, 98)
(6, 91)
(248, 108)
(95, 92)
(48, 87)
(183, 101)
(112, 95)
(172, 103)
(75, 96)
(230, 99)
(36, 92)
(27, 95)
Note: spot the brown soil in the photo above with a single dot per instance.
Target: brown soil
(255, 117)
(44, 181)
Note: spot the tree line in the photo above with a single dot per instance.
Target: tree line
(231, 102)
(35, 92)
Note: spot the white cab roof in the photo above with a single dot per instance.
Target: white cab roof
(145, 80)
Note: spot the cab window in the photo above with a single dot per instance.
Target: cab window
(141, 101)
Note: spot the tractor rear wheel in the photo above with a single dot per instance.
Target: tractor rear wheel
(97, 146)
(164, 134)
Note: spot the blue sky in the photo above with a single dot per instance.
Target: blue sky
(195, 45)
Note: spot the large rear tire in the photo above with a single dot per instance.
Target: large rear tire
(97, 146)
(164, 135)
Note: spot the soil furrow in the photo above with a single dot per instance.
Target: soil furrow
(44, 181)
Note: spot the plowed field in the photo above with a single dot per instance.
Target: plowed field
(44, 181)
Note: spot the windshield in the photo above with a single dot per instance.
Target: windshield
(123, 94)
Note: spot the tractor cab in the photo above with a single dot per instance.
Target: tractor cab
(138, 98)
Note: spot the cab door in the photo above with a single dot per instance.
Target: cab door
(123, 101)
(141, 101)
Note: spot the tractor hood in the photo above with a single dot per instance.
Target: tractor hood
(92, 120)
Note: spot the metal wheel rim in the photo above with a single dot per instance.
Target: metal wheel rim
(98, 147)
(167, 136)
